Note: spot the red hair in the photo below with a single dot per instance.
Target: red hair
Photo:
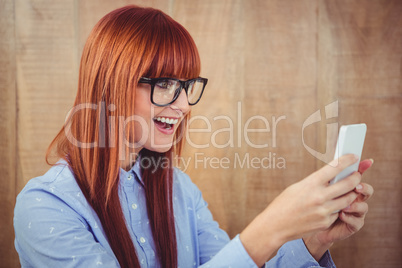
(126, 44)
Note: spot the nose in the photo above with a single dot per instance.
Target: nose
(181, 103)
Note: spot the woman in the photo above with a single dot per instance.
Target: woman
(115, 199)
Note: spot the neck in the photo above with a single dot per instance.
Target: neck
(130, 159)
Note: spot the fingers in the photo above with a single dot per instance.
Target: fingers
(341, 202)
(332, 218)
(365, 164)
(329, 171)
(358, 209)
(354, 215)
(344, 186)
(365, 191)
(354, 223)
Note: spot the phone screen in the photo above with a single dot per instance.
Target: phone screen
(350, 141)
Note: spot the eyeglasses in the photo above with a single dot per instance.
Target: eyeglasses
(165, 91)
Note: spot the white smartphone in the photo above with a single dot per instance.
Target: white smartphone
(350, 141)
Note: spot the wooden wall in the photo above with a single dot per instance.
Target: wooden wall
(273, 61)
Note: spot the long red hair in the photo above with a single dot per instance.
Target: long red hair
(126, 44)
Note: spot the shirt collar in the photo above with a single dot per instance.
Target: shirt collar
(133, 173)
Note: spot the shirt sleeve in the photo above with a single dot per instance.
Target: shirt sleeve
(295, 254)
(50, 233)
(216, 250)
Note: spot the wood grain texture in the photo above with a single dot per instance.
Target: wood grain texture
(270, 64)
(360, 56)
(90, 12)
(8, 134)
(46, 78)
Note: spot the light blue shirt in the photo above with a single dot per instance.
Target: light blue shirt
(56, 227)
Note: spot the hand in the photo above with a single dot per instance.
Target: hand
(301, 209)
(350, 221)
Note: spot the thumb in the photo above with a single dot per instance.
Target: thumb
(365, 164)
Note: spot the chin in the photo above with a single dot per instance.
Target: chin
(159, 148)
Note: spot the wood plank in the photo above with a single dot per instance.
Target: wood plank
(8, 133)
(46, 78)
(360, 60)
(280, 72)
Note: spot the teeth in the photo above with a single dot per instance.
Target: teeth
(167, 120)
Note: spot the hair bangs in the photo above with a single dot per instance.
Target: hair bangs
(176, 53)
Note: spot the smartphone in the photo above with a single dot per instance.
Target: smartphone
(350, 141)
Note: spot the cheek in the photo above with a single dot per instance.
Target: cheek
(142, 104)
(141, 117)
(142, 107)
(144, 112)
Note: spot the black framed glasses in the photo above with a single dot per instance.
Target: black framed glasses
(165, 91)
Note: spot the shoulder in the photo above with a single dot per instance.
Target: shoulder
(52, 216)
(57, 190)
(57, 178)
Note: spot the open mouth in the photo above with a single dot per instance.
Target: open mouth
(165, 123)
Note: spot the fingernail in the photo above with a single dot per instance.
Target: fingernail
(372, 160)
(348, 207)
(359, 187)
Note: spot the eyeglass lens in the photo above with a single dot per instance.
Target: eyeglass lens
(165, 91)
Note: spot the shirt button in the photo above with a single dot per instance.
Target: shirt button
(130, 177)
(134, 206)
(142, 240)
